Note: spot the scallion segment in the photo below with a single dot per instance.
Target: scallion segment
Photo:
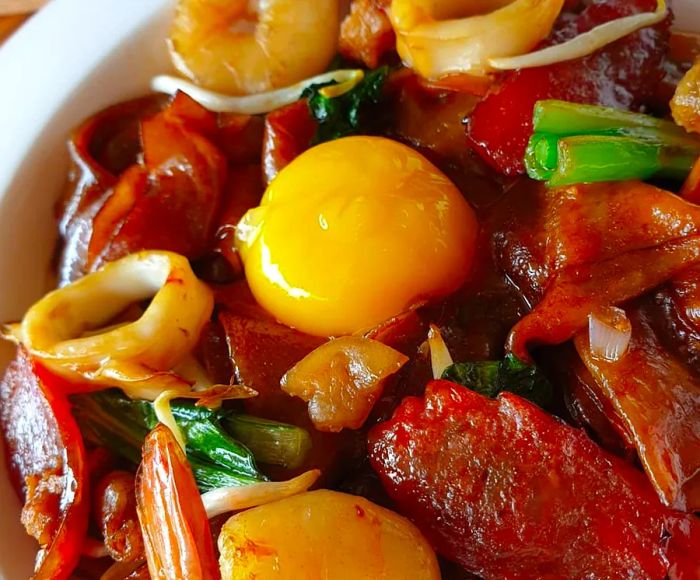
(271, 442)
(586, 143)
(112, 420)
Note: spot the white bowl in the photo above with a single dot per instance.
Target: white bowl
(72, 59)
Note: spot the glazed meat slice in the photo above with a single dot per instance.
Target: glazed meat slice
(169, 202)
(46, 461)
(145, 178)
(289, 132)
(507, 490)
(603, 244)
(658, 400)
(262, 351)
(366, 34)
(594, 245)
(114, 511)
(100, 150)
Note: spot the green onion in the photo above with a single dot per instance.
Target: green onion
(111, 420)
(541, 156)
(272, 443)
(585, 143)
(563, 118)
(207, 439)
(592, 158)
(210, 476)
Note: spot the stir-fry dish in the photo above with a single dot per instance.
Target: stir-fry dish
(399, 289)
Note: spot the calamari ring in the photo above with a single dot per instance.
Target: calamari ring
(434, 42)
(59, 329)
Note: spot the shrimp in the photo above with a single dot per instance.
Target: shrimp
(176, 533)
(250, 46)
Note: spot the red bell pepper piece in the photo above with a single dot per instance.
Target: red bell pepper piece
(47, 463)
(507, 490)
(622, 75)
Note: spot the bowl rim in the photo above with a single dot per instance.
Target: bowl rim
(49, 70)
(31, 63)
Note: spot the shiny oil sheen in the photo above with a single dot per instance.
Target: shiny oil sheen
(353, 232)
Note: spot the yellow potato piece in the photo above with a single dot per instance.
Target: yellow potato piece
(324, 535)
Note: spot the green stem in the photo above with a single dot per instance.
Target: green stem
(541, 156)
(562, 118)
(593, 158)
(112, 420)
(207, 439)
(210, 476)
(271, 442)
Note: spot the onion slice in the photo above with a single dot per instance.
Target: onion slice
(262, 102)
(164, 414)
(440, 357)
(584, 44)
(609, 333)
(228, 499)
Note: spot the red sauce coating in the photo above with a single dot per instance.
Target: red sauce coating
(507, 490)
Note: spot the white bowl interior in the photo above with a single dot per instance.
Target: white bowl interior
(73, 59)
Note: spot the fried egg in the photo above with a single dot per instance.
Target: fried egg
(353, 232)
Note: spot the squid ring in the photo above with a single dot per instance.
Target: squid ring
(64, 330)
(434, 44)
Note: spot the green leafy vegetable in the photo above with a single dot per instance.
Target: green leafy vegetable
(342, 115)
(112, 420)
(575, 143)
(490, 378)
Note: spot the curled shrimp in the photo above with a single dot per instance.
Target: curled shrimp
(176, 533)
(250, 46)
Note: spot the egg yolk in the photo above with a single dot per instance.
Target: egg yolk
(354, 232)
